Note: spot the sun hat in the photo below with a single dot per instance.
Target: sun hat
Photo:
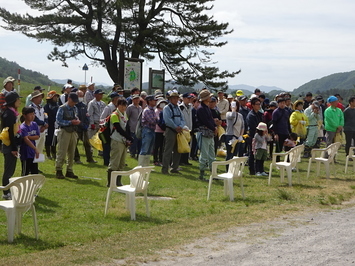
(36, 94)
(173, 94)
(11, 97)
(230, 96)
(8, 79)
(240, 93)
(51, 94)
(204, 95)
(262, 126)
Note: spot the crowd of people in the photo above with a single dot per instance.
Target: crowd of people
(147, 125)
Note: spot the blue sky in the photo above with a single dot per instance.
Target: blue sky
(281, 43)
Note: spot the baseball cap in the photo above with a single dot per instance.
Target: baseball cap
(151, 98)
(187, 95)
(99, 91)
(51, 94)
(114, 94)
(332, 99)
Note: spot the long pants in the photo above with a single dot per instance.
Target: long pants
(29, 167)
(170, 151)
(238, 149)
(135, 148)
(194, 147)
(158, 147)
(148, 138)
(349, 137)
(280, 144)
(207, 154)
(9, 166)
(83, 136)
(66, 147)
(312, 136)
(329, 136)
(117, 155)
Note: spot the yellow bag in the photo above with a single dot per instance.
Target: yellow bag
(187, 135)
(338, 137)
(4, 136)
(221, 131)
(96, 142)
(182, 144)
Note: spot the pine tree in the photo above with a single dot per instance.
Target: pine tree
(177, 32)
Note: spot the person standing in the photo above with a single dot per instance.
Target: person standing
(8, 86)
(133, 112)
(314, 122)
(28, 98)
(206, 134)
(234, 132)
(68, 122)
(149, 122)
(223, 107)
(299, 121)
(51, 109)
(186, 110)
(333, 120)
(29, 131)
(89, 94)
(174, 122)
(82, 130)
(95, 108)
(10, 118)
(281, 125)
(108, 110)
(120, 139)
(349, 124)
(254, 117)
(41, 119)
(159, 134)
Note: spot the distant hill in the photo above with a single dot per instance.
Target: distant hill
(340, 81)
(8, 68)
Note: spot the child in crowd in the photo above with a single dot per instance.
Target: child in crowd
(30, 133)
(290, 142)
(260, 139)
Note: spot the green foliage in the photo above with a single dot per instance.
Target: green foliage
(8, 68)
(177, 32)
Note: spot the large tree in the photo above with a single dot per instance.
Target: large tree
(178, 32)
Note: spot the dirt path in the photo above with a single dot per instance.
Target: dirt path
(326, 238)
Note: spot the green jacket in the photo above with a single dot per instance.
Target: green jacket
(333, 118)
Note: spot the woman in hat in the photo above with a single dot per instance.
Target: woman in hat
(10, 119)
(260, 148)
(159, 134)
(51, 109)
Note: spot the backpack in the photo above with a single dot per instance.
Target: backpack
(161, 122)
(104, 131)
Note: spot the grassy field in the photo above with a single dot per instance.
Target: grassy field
(73, 229)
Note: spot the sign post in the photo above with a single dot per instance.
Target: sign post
(85, 68)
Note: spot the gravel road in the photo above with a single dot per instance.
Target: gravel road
(326, 238)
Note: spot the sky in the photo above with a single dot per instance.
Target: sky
(282, 43)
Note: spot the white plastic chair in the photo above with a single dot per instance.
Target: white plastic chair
(290, 161)
(139, 180)
(328, 152)
(351, 155)
(23, 192)
(235, 171)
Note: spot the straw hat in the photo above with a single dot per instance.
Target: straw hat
(204, 95)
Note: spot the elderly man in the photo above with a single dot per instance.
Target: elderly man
(28, 98)
(333, 120)
(174, 122)
(89, 94)
(133, 112)
(66, 90)
(68, 122)
(206, 134)
(186, 110)
(8, 86)
(149, 122)
(95, 108)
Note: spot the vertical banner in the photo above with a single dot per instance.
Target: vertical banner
(132, 75)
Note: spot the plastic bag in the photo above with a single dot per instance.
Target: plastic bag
(187, 135)
(182, 144)
(4, 136)
(338, 137)
(96, 142)
(221, 131)
(300, 130)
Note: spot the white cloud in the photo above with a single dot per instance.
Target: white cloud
(280, 43)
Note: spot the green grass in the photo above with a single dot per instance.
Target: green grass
(73, 229)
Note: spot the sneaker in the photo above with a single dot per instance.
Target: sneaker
(7, 196)
(78, 162)
(259, 174)
(71, 175)
(59, 175)
(264, 174)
